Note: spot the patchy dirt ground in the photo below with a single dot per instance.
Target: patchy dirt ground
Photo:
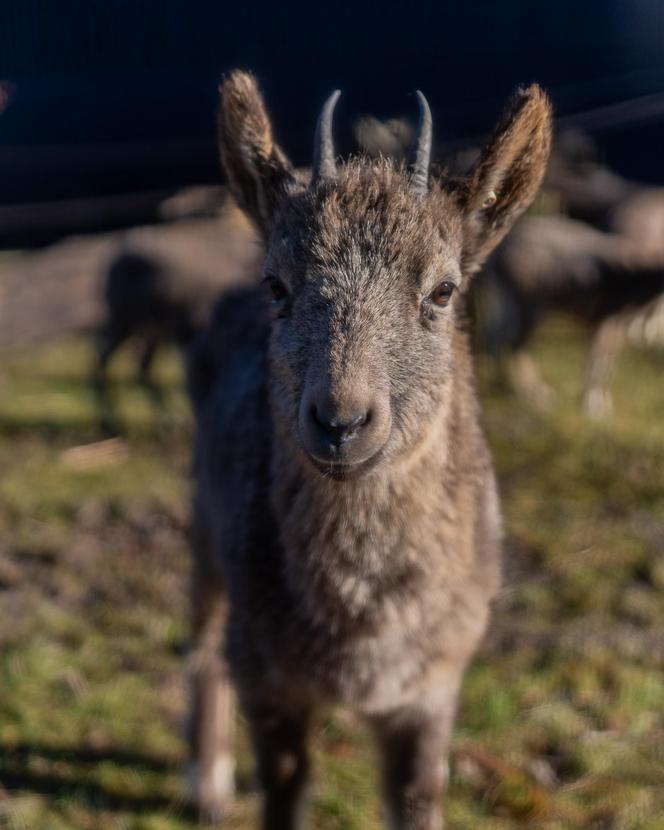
(562, 716)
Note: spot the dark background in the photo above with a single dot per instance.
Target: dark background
(118, 96)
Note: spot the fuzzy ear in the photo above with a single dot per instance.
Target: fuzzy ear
(256, 168)
(507, 175)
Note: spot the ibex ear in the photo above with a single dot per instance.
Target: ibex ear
(256, 168)
(507, 175)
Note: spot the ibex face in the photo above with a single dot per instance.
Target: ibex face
(366, 264)
(365, 274)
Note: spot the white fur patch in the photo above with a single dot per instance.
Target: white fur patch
(218, 788)
(223, 776)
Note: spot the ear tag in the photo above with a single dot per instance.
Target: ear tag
(490, 199)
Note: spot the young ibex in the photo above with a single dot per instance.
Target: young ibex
(347, 525)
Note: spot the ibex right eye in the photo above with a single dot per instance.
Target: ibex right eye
(276, 288)
(441, 295)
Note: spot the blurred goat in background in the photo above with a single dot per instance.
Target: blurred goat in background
(555, 263)
(593, 193)
(162, 281)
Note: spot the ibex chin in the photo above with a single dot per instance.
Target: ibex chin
(346, 521)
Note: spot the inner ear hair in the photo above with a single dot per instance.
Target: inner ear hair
(508, 173)
(512, 163)
(256, 167)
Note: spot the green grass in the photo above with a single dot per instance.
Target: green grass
(562, 714)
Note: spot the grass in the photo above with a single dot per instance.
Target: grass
(562, 714)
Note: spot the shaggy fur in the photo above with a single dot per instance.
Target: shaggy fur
(359, 575)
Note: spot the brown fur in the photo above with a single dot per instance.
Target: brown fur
(520, 146)
(390, 138)
(359, 569)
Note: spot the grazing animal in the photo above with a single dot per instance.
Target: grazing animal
(391, 138)
(593, 193)
(555, 263)
(346, 524)
(160, 285)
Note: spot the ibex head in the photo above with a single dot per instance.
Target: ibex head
(366, 265)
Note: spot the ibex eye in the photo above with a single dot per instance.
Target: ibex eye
(442, 294)
(278, 291)
(490, 199)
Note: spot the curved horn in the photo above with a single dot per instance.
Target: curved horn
(324, 166)
(420, 154)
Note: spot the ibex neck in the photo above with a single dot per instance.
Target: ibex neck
(349, 544)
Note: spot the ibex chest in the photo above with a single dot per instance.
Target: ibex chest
(377, 597)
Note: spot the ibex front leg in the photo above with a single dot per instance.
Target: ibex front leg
(414, 744)
(280, 743)
(212, 705)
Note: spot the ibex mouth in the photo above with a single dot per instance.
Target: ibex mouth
(340, 471)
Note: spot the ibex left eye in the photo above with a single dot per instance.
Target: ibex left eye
(442, 294)
(276, 287)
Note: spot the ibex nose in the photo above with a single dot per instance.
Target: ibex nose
(338, 429)
(342, 431)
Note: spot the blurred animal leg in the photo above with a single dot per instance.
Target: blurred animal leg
(280, 744)
(414, 745)
(212, 768)
(607, 342)
(527, 380)
(151, 387)
(108, 340)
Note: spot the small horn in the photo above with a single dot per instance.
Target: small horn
(324, 165)
(420, 154)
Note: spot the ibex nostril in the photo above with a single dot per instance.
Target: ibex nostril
(336, 429)
(356, 422)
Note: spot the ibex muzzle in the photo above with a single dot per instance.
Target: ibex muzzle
(343, 429)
